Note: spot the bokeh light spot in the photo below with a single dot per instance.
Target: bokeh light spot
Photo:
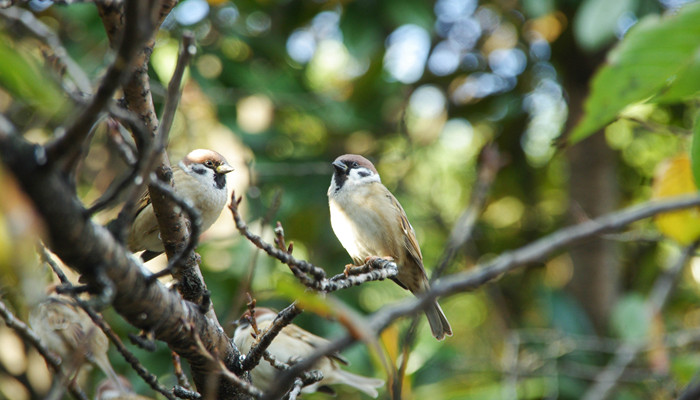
(254, 113)
(407, 52)
(190, 12)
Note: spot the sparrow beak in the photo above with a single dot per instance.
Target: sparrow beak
(224, 169)
(340, 167)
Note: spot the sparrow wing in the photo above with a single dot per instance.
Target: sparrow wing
(143, 202)
(312, 340)
(410, 242)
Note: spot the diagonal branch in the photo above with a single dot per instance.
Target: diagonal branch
(51, 359)
(491, 270)
(283, 319)
(135, 34)
(88, 248)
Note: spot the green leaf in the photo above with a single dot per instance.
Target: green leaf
(655, 51)
(631, 318)
(23, 77)
(695, 152)
(596, 20)
(685, 86)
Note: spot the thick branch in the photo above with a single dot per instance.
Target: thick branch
(88, 247)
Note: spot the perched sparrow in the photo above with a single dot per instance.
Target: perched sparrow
(201, 178)
(370, 222)
(292, 345)
(68, 331)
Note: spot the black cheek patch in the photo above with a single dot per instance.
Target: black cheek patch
(200, 169)
(363, 173)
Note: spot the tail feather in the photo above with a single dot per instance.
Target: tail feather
(438, 322)
(364, 384)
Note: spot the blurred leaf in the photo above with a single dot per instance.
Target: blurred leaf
(311, 301)
(654, 51)
(596, 21)
(685, 86)
(695, 151)
(25, 79)
(674, 178)
(685, 366)
(631, 318)
(567, 315)
(390, 340)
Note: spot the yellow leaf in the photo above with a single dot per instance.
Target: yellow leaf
(674, 177)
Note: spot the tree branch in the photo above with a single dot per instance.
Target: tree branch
(89, 249)
(489, 271)
(376, 269)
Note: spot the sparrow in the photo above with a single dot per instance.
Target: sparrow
(370, 222)
(67, 330)
(200, 178)
(291, 345)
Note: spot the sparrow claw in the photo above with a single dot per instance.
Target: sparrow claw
(348, 269)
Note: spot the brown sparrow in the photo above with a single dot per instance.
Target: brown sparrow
(201, 178)
(370, 222)
(66, 329)
(291, 345)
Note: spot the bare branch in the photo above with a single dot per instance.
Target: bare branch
(91, 250)
(607, 379)
(283, 319)
(39, 30)
(489, 271)
(376, 269)
(460, 234)
(144, 373)
(51, 359)
(134, 36)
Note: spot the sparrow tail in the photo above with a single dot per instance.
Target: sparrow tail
(359, 382)
(438, 322)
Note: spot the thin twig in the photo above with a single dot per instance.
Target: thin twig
(144, 373)
(30, 336)
(179, 373)
(184, 393)
(134, 35)
(283, 319)
(214, 359)
(489, 271)
(310, 275)
(609, 377)
(195, 226)
(39, 30)
(460, 234)
(296, 389)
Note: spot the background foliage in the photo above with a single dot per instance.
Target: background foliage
(283, 87)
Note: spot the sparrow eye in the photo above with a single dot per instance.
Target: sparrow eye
(209, 163)
(355, 164)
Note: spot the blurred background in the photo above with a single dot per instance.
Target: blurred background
(282, 87)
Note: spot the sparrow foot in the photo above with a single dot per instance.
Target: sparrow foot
(349, 269)
(369, 261)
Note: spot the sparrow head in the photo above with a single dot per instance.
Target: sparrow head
(207, 165)
(352, 169)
